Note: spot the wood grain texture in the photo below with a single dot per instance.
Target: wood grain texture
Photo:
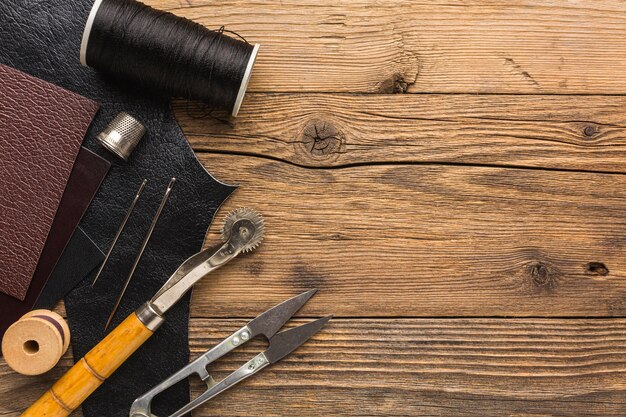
(393, 240)
(449, 46)
(478, 368)
(425, 367)
(324, 130)
(499, 193)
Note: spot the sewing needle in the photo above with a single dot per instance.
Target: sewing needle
(141, 251)
(119, 231)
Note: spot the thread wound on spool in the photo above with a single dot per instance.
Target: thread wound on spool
(35, 343)
(167, 54)
(87, 32)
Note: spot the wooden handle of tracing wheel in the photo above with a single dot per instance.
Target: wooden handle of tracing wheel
(68, 393)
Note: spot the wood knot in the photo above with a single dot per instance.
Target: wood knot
(596, 269)
(321, 139)
(542, 276)
(590, 131)
(338, 236)
(396, 84)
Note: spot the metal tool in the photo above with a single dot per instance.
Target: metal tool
(267, 324)
(122, 135)
(120, 230)
(67, 394)
(166, 196)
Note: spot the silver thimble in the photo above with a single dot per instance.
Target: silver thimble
(122, 135)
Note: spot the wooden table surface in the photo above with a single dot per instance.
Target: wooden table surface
(450, 175)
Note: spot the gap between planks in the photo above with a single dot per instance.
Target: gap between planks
(582, 134)
(424, 241)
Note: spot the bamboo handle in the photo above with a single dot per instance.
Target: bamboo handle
(68, 393)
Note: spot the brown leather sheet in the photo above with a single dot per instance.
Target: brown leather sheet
(84, 182)
(41, 129)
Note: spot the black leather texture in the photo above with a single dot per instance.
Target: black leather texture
(43, 38)
(80, 259)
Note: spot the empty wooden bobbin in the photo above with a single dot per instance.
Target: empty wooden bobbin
(36, 342)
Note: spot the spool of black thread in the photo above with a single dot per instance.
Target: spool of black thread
(167, 54)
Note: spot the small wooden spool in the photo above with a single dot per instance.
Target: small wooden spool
(36, 342)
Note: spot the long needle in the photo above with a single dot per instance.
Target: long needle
(143, 248)
(120, 230)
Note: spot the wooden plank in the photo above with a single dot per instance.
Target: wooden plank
(410, 367)
(449, 46)
(394, 240)
(477, 368)
(323, 130)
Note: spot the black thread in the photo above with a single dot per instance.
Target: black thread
(167, 54)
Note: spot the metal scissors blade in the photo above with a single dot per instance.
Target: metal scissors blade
(287, 341)
(273, 319)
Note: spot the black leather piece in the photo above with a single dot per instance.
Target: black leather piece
(79, 260)
(43, 38)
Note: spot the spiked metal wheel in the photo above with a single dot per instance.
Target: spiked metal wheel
(249, 226)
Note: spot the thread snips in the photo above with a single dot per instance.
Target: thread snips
(267, 324)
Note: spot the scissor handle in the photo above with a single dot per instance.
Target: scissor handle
(141, 406)
(248, 369)
(69, 392)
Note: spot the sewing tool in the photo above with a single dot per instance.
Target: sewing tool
(67, 394)
(168, 54)
(120, 230)
(267, 324)
(141, 251)
(35, 343)
(122, 135)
